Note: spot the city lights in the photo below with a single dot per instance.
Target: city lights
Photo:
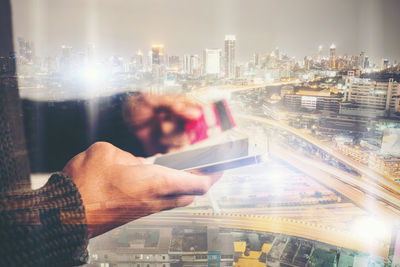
(316, 91)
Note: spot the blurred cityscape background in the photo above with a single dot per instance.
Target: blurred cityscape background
(329, 193)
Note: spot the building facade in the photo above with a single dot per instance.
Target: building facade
(230, 56)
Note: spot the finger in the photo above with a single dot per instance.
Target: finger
(126, 158)
(143, 160)
(128, 208)
(161, 181)
(176, 202)
(214, 177)
(107, 152)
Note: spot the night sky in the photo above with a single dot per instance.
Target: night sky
(298, 27)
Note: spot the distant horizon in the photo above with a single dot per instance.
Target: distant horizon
(325, 53)
(298, 28)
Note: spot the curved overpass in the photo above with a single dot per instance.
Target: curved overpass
(389, 189)
(276, 225)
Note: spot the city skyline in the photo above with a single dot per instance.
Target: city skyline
(188, 28)
(90, 49)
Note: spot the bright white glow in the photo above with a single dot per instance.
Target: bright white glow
(93, 74)
(370, 230)
(276, 177)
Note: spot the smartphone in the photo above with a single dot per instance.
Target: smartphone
(228, 164)
(205, 155)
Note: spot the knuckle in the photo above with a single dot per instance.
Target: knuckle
(102, 147)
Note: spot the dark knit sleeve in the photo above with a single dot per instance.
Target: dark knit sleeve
(44, 227)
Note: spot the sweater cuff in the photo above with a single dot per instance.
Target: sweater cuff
(48, 224)
(65, 195)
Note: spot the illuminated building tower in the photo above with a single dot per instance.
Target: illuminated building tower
(385, 63)
(191, 65)
(173, 63)
(66, 57)
(157, 54)
(230, 56)
(340, 63)
(25, 49)
(256, 59)
(186, 64)
(22, 47)
(319, 56)
(137, 60)
(366, 62)
(211, 61)
(307, 63)
(277, 53)
(332, 57)
(195, 65)
(362, 60)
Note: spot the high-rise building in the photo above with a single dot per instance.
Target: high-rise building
(191, 65)
(277, 53)
(66, 57)
(174, 63)
(373, 95)
(362, 60)
(256, 59)
(366, 62)
(25, 49)
(230, 56)
(186, 64)
(319, 55)
(307, 63)
(332, 57)
(211, 61)
(385, 63)
(340, 63)
(157, 54)
(138, 60)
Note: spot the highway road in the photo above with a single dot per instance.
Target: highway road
(373, 192)
(340, 182)
(238, 88)
(388, 191)
(374, 177)
(317, 232)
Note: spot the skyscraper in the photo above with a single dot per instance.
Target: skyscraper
(25, 49)
(173, 62)
(256, 59)
(157, 54)
(211, 61)
(186, 64)
(138, 60)
(230, 56)
(319, 56)
(191, 64)
(362, 60)
(66, 57)
(332, 57)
